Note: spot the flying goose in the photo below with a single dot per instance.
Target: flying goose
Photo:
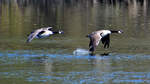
(42, 32)
(100, 35)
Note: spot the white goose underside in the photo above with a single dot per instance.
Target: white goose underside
(45, 34)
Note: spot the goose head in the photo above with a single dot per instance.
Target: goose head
(120, 31)
(116, 31)
(60, 32)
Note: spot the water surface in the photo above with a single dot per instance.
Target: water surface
(64, 59)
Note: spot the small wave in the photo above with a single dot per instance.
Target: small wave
(80, 51)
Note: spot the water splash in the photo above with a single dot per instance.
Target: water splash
(80, 51)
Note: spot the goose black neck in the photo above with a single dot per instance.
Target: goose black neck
(113, 31)
(56, 32)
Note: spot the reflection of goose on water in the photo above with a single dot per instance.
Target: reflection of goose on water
(101, 35)
(42, 32)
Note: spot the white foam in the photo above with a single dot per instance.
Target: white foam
(80, 51)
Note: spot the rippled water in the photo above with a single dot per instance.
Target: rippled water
(65, 59)
(34, 67)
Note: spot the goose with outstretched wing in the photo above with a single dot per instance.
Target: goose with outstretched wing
(100, 35)
(42, 32)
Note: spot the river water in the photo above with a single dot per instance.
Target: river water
(64, 59)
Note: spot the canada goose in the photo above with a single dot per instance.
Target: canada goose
(42, 32)
(102, 35)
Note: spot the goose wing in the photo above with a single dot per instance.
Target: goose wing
(34, 34)
(106, 41)
(94, 41)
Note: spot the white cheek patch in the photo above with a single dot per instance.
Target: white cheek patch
(59, 32)
(119, 32)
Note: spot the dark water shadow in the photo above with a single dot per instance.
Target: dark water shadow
(103, 54)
